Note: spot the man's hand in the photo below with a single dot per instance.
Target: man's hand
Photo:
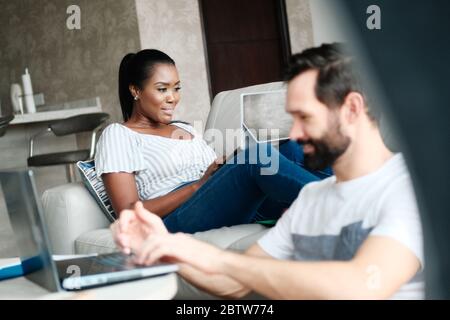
(180, 248)
(134, 226)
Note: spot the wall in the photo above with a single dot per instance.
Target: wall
(66, 64)
(300, 24)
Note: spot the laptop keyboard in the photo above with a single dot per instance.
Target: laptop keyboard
(114, 260)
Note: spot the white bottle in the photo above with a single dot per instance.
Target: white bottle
(28, 92)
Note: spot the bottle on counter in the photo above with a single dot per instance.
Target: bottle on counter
(30, 106)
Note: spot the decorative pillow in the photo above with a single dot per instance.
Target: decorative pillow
(96, 188)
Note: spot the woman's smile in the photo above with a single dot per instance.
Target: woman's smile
(168, 111)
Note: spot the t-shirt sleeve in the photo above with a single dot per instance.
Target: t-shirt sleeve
(118, 150)
(399, 219)
(278, 241)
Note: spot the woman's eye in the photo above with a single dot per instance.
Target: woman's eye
(177, 88)
(162, 89)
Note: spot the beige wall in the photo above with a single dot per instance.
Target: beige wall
(66, 64)
(300, 24)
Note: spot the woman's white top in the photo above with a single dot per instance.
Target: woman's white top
(160, 164)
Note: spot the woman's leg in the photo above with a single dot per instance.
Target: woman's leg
(232, 195)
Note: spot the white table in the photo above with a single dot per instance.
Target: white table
(46, 116)
(156, 288)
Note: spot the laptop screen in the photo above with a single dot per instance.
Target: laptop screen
(29, 231)
(264, 116)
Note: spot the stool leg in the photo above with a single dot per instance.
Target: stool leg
(70, 172)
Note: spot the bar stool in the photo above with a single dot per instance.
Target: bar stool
(91, 122)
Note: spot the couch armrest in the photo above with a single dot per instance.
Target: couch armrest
(69, 211)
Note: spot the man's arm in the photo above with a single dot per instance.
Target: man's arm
(219, 284)
(380, 267)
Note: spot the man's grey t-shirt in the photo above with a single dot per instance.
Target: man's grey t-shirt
(329, 221)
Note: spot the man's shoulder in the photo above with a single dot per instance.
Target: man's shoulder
(398, 180)
(318, 186)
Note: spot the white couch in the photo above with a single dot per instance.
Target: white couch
(76, 224)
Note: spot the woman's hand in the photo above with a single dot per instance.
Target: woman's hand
(213, 167)
(134, 226)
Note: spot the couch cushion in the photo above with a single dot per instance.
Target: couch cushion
(230, 236)
(96, 241)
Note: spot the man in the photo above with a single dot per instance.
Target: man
(354, 235)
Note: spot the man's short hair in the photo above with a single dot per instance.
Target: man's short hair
(337, 76)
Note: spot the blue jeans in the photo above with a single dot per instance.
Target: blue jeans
(240, 193)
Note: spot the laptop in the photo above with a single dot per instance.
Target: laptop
(263, 117)
(29, 228)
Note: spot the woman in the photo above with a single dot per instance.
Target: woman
(170, 167)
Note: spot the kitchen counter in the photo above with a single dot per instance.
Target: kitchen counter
(59, 112)
(52, 115)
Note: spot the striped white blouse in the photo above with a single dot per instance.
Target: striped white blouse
(160, 164)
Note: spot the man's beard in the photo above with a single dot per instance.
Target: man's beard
(326, 150)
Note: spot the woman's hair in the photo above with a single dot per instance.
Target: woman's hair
(135, 69)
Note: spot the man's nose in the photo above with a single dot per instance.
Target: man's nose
(297, 133)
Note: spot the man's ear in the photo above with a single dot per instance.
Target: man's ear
(354, 106)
